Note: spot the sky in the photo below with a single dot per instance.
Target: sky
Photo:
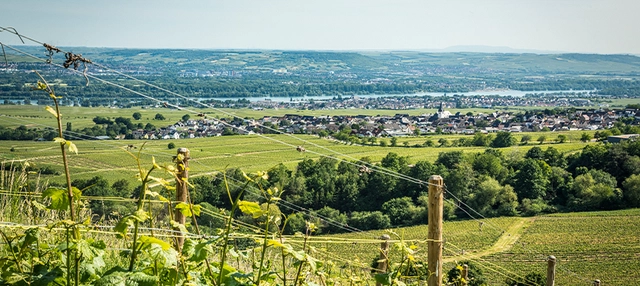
(583, 26)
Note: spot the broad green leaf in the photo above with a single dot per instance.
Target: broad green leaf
(147, 241)
(88, 250)
(165, 258)
(141, 215)
(196, 210)
(250, 208)
(123, 224)
(31, 236)
(59, 197)
(383, 278)
(201, 250)
(274, 243)
(51, 110)
(184, 209)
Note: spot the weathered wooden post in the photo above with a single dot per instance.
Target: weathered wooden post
(434, 259)
(596, 283)
(182, 165)
(465, 273)
(551, 270)
(383, 262)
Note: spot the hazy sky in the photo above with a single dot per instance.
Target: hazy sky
(604, 26)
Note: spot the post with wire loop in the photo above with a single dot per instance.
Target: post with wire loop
(551, 270)
(383, 262)
(434, 260)
(182, 175)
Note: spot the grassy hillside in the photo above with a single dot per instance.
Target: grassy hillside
(108, 158)
(593, 245)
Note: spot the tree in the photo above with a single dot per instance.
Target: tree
(542, 138)
(443, 142)
(503, 139)
(369, 220)
(531, 181)
(585, 137)
(554, 158)
(428, 143)
(480, 139)
(185, 117)
(492, 199)
(535, 153)
(394, 141)
(451, 159)
(488, 164)
(159, 117)
(561, 138)
(137, 115)
(525, 139)
(171, 145)
(594, 190)
(329, 220)
(631, 193)
(323, 134)
(401, 211)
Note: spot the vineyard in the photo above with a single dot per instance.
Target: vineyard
(250, 153)
(588, 245)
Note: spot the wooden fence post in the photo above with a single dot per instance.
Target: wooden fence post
(434, 259)
(551, 270)
(182, 165)
(383, 262)
(465, 273)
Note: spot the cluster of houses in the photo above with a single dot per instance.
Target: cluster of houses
(415, 102)
(398, 125)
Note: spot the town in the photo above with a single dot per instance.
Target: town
(440, 122)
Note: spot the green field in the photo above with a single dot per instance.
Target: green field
(588, 246)
(108, 158)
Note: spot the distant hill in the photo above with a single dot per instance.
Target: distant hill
(493, 49)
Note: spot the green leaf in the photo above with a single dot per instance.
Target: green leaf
(196, 210)
(59, 197)
(147, 241)
(123, 224)
(184, 209)
(141, 215)
(51, 110)
(60, 140)
(88, 250)
(30, 236)
(165, 258)
(91, 269)
(383, 278)
(250, 208)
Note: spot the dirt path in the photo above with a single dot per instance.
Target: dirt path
(504, 243)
